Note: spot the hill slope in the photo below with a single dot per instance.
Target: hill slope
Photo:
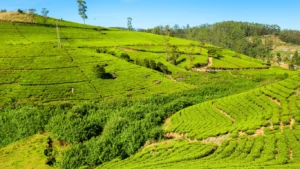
(255, 129)
(34, 68)
(46, 91)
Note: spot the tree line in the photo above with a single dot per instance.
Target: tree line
(242, 37)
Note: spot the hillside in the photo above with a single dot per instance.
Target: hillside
(161, 102)
(33, 66)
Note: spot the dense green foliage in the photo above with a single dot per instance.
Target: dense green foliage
(228, 34)
(256, 132)
(291, 36)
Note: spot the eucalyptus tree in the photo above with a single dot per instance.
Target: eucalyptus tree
(82, 8)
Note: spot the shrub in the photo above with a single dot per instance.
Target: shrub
(152, 64)
(125, 56)
(100, 71)
(104, 50)
(20, 11)
(146, 63)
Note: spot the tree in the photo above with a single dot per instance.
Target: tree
(82, 8)
(125, 56)
(3, 10)
(296, 58)
(32, 11)
(174, 54)
(212, 52)
(278, 57)
(152, 64)
(129, 23)
(45, 12)
(20, 11)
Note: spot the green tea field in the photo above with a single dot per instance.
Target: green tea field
(120, 99)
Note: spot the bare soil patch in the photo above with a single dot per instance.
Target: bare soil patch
(16, 17)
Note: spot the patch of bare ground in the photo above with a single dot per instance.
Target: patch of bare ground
(259, 132)
(292, 123)
(170, 77)
(271, 125)
(277, 153)
(216, 140)
(224, 113)
(129, 50)
(281, 126)
(291, 155)
(16, 17)
(275, 101)
(204, 68)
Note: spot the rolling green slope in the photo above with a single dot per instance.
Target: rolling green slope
(34, 69)
(50, 91)
(255, 129)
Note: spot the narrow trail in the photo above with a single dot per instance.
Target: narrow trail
(292, 123)
(275, 101)
(215, 140)
(170, 77)
(231, 73)
(224, 113)
(204, 69)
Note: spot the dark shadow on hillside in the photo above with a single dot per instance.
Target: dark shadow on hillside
(109, 76)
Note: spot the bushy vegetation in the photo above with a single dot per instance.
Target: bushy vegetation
(228, 34)
(291, 36)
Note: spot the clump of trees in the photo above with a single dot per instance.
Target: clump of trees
(100, 71)
(153, 65)
(3, 10)
(20, 11)
(291, 36)
(242, 37)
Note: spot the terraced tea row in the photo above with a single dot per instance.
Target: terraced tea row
(263, 133)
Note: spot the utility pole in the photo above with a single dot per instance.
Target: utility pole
(58, 36)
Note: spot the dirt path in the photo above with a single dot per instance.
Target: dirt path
(203, 69)
(170, 77)
(231, 73)
(292, 123)
(224, 113)
(275, 101)
(215, 140)
(128, 50)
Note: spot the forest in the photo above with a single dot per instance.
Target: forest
(242, 37)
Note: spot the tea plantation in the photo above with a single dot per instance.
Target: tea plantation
(112, 98)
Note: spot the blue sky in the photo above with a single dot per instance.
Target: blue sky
(150, 13)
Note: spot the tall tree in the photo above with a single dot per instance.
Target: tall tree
(45, 12)
(31, 11)
(129, 23)
(82, 8)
